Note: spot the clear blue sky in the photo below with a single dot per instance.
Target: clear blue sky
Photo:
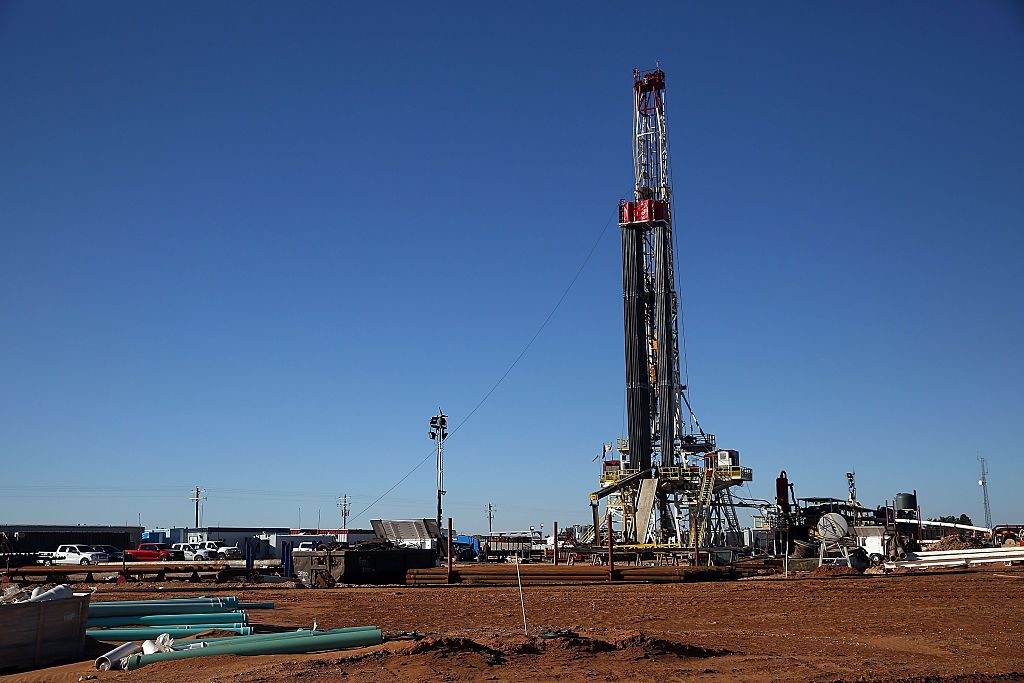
(253, 246)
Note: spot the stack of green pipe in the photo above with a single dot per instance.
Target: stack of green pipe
(171, 619)
(294, 643)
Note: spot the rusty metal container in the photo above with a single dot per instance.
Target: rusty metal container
(37, 634)
(327, 567)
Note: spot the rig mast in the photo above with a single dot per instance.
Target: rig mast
(671, 484)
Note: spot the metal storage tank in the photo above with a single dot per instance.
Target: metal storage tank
(905, 501)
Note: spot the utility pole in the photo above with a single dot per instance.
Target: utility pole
(983, 483)
(490, 518)
(438, 433)
(343, 505)
(196, 497)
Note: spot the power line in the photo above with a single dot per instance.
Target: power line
(511, 367)
(344, 505)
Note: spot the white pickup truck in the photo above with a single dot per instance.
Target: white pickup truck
(188, 549)
(216, 550)
(74, 554)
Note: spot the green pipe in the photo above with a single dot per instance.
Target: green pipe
(281, 646)
(125, 634)
(164, 619)
(272, 636)
(142, 610)
(198, 598)
(167, 628)
(203, 601)
(203, 627)
(255, 605)
(184, 601)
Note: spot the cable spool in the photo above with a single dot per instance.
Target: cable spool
(833, 526)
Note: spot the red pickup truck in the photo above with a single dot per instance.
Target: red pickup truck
(154, 552)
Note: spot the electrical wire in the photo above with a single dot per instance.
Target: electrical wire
(64, 491)
(681, 317)
(508, 370)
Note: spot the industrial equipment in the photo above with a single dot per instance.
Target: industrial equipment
(671, 484)
(834, 533)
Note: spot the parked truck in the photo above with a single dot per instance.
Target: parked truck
(216, 550)
(74, 554)
(154, 552)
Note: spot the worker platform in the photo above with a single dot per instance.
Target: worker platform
(723, 463)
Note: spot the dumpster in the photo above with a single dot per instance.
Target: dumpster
(325, 568)
(37, 634)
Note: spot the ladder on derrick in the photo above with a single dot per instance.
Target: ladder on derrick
(705, 494)
(730, 511)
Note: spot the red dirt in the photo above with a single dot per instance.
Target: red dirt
(956, 626)
(834, 570)
(957, 542)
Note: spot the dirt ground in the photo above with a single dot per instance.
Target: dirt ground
(950, 626)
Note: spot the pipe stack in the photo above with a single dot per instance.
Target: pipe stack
(297, 642)
(535, 574)
(178, 617)
(158, 622)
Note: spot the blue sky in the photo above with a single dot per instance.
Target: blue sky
(253, 246)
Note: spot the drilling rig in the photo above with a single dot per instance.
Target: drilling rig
(670, 485)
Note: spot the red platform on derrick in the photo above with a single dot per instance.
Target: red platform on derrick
(643, 211)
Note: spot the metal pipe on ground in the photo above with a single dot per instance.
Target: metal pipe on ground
(112, 659)
(296, 645)
(184, 598)
(200, 627)
(115, 610)
(125, 634)
(223, 600)
(168, 619)
(273, 636)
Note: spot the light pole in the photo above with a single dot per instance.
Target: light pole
(983, 483)
(439, 432)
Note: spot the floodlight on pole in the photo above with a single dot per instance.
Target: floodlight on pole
(438, 432)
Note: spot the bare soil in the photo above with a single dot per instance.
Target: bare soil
(957, 542)
(949, 626)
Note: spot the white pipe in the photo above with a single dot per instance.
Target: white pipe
(60, 592)
(972, 552)
(112, 660)
(952, 525)
(959, 558)
(162, 643)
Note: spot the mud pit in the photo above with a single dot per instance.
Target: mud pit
(907, 627)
